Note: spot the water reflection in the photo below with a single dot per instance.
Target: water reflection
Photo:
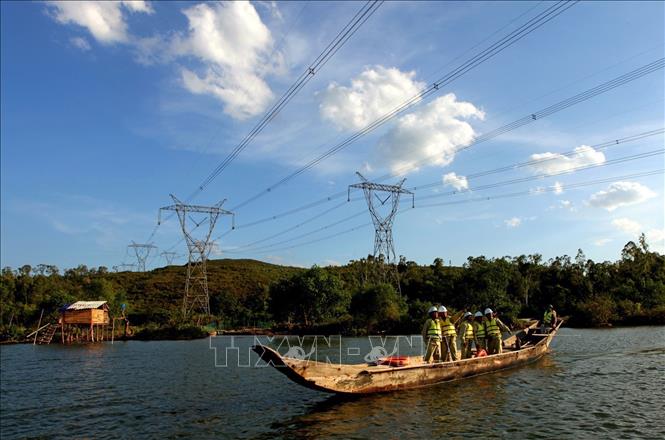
(596, 383)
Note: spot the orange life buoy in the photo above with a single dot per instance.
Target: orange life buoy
(481, 353)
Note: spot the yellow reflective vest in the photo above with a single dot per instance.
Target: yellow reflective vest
(432, 329)
(548, 317)
(492, 328)
(447, 327)
(479, 329)
(466, 330)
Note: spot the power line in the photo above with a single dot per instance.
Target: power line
(451, 193)
(481, 199)
(505, 42)
(335, 45)
(365, 12)
(511, 38)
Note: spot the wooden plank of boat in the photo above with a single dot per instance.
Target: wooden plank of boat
(364, 379)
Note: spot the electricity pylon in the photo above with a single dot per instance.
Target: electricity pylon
(196, 287)
(169, 257)
(142, 252)
(384, 248)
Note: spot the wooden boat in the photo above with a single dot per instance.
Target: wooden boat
(522, 348)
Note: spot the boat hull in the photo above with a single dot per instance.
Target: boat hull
(364, 379)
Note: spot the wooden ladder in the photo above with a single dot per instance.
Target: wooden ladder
(47, 336)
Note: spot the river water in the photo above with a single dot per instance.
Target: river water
(595, 384)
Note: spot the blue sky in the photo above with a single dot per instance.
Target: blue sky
(108, 108)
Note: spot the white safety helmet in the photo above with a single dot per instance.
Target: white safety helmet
(431, 310)
(478, 315)
(443, 309)
(488, 311)
(467, 314)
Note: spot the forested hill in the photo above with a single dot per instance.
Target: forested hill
(351, 298)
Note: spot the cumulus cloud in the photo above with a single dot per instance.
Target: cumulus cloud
(80, 43)
(234, 47)
(554, 163)
(429, 136)
(621, 194)
(513, 222)
(104, 20)
(457, 182)
(229, 48)
(374, 92)
(631, 227)
(627, 225)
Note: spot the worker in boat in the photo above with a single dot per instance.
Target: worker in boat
(466, 333)
(493, 329)
(479, 334)
(448, 336)
(549, 319)
(432, 336)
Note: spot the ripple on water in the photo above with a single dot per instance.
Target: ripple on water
(606, 383)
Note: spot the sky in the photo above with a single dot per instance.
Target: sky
(108, 108)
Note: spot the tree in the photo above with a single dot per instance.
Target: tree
(378, 305)
(313, 296)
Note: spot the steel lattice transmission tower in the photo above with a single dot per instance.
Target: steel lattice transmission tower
(169, 257)
(142, 252)
(383, 216)
(383, 222)
(196, 287)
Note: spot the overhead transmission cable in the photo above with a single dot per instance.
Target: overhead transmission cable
(479, 199)
(620, 160)
(532, 117)
(342, 37)
(502, 44)
(333, 47)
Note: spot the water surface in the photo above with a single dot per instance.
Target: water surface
(594, 384)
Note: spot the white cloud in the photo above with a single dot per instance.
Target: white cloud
(513, 222)
(234, 47)
(553, 163)
(567, 204)
(627, 225)
(602, 241)
(80, 43)
(104, 20)
(558, 188)
(138, 6)
(457, 182)
(429, 136)
(373, 93)
(654, 236)
(621, 194)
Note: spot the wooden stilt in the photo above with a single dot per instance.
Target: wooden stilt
(38, 326)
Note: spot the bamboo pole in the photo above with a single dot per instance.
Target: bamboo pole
(38, 326)
(113, 331)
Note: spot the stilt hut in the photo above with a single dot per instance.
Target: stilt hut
(84, 321)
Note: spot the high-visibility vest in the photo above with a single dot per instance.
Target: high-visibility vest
(433, 328)
(447, 327)
(466, 329)
(548, 317)
(479, 329)
(492, 328)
